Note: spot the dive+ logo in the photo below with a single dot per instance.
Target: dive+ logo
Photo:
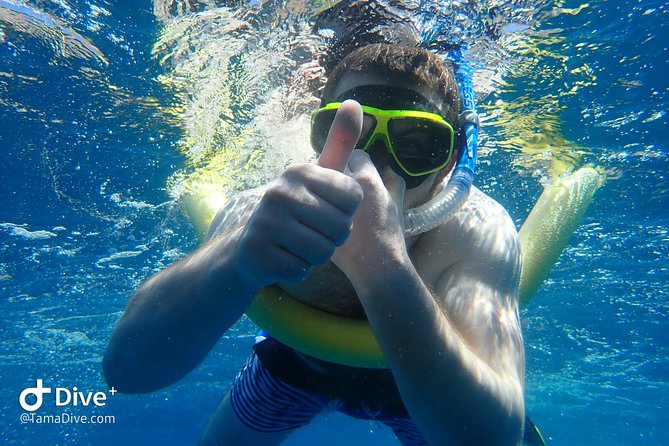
(62, 396)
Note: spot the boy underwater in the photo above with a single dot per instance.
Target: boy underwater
(443, 304)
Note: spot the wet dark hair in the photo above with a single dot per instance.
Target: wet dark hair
(404, 63)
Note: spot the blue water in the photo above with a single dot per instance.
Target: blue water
(87, 151)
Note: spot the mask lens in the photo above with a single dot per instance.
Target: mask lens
(420, 144)
(368, 125)
(322, 121)
(320, 126)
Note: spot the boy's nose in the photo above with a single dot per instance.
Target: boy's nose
(381, 157)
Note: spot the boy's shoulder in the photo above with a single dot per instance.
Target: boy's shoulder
(481, 226)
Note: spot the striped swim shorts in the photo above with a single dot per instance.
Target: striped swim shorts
(279, 390)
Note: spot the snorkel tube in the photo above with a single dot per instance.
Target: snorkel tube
(439, 209)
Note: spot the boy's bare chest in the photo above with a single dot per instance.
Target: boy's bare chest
(327, 287)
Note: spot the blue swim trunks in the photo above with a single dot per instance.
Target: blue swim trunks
(279, 389)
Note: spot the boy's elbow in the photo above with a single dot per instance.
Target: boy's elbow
(501, 428)
(125, 375)
(510, 429)
(515, 430)
(507, 433)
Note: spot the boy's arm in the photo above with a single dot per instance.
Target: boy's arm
(455, 348)
(176, 316)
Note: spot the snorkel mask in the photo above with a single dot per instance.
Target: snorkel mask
(419, 142)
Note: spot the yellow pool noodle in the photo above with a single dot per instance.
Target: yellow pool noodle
(543, 236)
(201, 202)
(550, 224)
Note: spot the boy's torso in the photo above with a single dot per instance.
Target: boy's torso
(328, 289)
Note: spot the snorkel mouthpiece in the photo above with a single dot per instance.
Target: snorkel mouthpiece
(436, 211)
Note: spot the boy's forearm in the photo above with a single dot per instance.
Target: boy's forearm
(175, 318)
(434, 367)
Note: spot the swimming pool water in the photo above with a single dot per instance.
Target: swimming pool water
(90, 142)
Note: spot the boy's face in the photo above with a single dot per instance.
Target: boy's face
(389, 94)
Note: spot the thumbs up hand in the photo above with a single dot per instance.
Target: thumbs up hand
(376, 244)
(306, 213)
